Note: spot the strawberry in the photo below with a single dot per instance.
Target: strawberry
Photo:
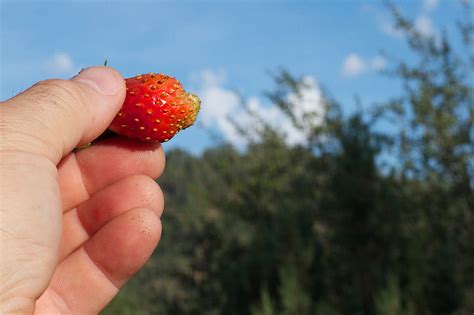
(156, 107)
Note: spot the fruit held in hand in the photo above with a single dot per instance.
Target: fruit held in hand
(156, 107)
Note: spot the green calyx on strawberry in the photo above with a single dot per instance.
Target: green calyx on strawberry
(156, 107)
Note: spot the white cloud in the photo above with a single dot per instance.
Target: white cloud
(220, 103)
(210, 78)
(429, 5)
(383, 21)
(308, 102)
(378, 63)
(60, 63)
(388, 28)
(424, 26)
(353, 65)
(422, 22)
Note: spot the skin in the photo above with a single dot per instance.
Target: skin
(74, 225)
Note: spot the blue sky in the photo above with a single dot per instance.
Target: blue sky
(216, 48)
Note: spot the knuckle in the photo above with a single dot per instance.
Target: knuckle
(17, 131)
(151, 191)
(146, 183)
(54, 103)
(62, 94)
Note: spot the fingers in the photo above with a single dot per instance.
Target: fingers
(132, 192)
(30, 227)
(89, 278)
(82, 174)
(54, 116)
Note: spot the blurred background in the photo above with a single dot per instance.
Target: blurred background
(331, 169)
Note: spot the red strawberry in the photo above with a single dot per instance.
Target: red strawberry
(156, 107)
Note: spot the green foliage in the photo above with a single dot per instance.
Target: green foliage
(388, 301)
(293, 296)
(126, 303)
(323, 228)
(265, 306)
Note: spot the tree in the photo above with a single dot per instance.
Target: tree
(436, 148)
(321, 227)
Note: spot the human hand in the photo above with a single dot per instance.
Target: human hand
(74, 226)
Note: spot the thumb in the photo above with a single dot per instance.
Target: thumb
(54, 116)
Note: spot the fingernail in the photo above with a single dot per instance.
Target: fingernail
(100, 79)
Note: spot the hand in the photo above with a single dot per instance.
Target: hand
(74, 227)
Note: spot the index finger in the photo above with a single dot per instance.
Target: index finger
(86, 172)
